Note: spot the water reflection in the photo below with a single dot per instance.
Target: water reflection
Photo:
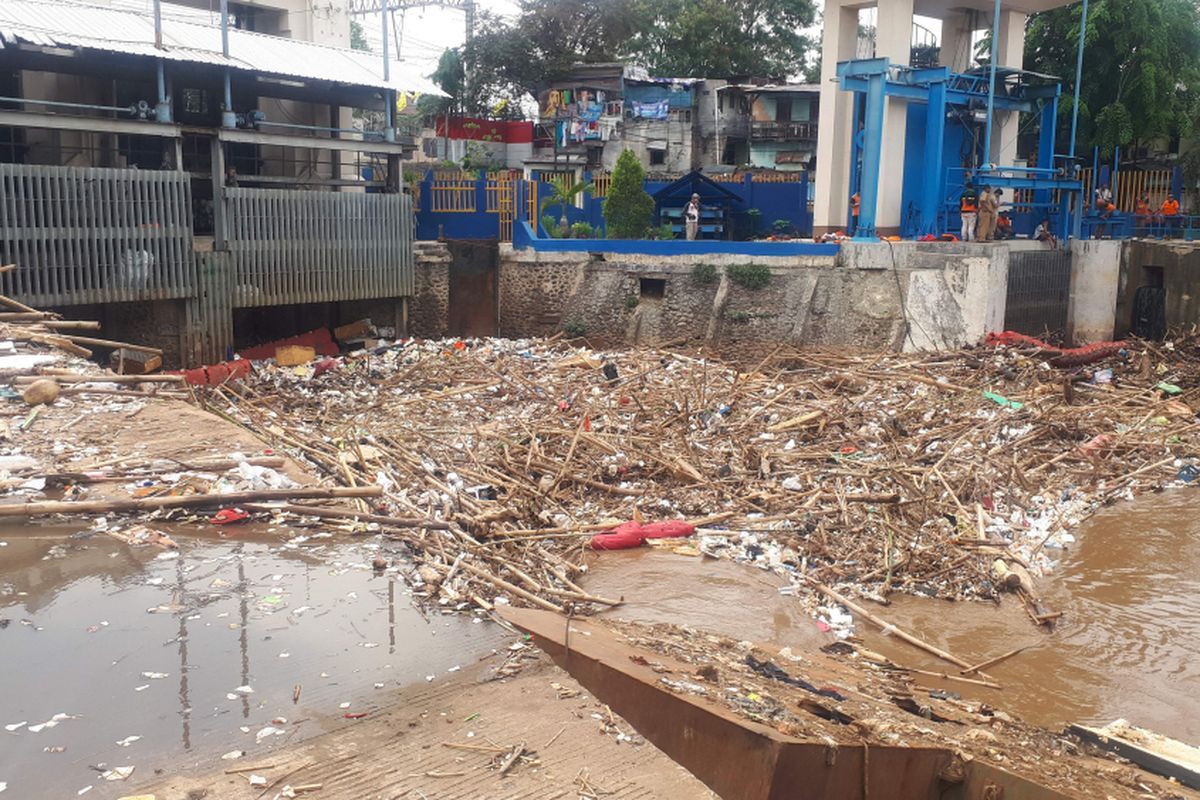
(223, 614)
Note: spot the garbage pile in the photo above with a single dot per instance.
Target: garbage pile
(847, 695)
(954, 475)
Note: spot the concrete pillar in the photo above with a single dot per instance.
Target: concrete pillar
(1010, 53)
(834, 147)
(955, 47)
(893, 39)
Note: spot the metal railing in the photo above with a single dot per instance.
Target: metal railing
(783, 131)
(92, 235)
(1130, 184)
(291, 246)
(452, 193)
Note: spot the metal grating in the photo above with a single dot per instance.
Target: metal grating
(1039, 288)
(93, 235)
(289, 246)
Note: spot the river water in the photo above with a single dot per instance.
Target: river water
(166, 661)
(1127, 645)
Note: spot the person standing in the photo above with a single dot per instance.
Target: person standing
(691, 217)
(1103, 205)
(855, 202)
(1142, 214)
(1169, 213)
(987, 214)
(968, 207)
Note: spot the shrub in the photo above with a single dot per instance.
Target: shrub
(574, 329)
(631, 301)
(749, 276)
(781, 225)
(582, 230)
(551, 226)
(628, 208)
(704, 274)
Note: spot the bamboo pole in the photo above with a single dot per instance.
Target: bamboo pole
(890, 628)
(40, 509)
(76, 378)
(139, 348)
(345, 513)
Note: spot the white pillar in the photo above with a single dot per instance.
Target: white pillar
(1010, 53)
(832, 195)
(893, 39)
(957, 33)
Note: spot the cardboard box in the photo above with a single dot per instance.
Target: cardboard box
(293, 355)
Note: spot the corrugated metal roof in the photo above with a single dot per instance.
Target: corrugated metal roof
(54, 23)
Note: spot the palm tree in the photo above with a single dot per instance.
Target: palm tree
(563, 196)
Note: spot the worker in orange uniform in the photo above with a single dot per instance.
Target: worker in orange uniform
(1169, 214)
(968, 207)
(855, 202)
(1142, 214)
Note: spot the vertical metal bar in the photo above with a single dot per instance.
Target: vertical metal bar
(872, 151)
(935, 144)
(1078, 75)
(987, 135)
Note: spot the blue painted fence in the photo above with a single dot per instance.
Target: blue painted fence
(787, 201)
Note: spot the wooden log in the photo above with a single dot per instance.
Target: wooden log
(889, 628)
(23, 316)
(103, 378)
(8, 301)
(993, 661)
(79, 324)
(345, 513)
(46, 508)
(140, 348)
(500, 583)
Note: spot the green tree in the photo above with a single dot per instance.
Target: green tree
(1141, 68)
(628, 208)
(451, 78)
(358, 37)
(723, 38)
(700, 38)
(563, 196)
(513, 57)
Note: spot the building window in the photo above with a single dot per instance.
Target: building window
(783, 110)
(595, 157)
(195, 101)
(658, 158)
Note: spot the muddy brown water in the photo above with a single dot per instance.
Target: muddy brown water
(1127, 646)
(129, 644)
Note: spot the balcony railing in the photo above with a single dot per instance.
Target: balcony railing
(784, 131)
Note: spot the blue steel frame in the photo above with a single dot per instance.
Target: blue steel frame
(938, 88)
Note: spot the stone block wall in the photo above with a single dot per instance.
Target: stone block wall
(429, 310)
(908, 298)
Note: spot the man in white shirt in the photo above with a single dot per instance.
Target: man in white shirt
(691, 217)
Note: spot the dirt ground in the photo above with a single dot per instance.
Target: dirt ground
(402, 752)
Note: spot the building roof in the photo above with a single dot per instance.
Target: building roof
(60, 23)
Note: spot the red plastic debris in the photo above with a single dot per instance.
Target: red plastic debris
(632, 534)
(325, 365)
(228, 516)
(355, 715)
(1062, 356)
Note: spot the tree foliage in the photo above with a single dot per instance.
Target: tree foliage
(1141, 68)
(722, 38)
(627, 207)
(358, 36)
(451, 78)
(510, 58)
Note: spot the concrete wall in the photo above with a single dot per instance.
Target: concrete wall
(1144, 262)
(902, 297)
(1095, 276)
